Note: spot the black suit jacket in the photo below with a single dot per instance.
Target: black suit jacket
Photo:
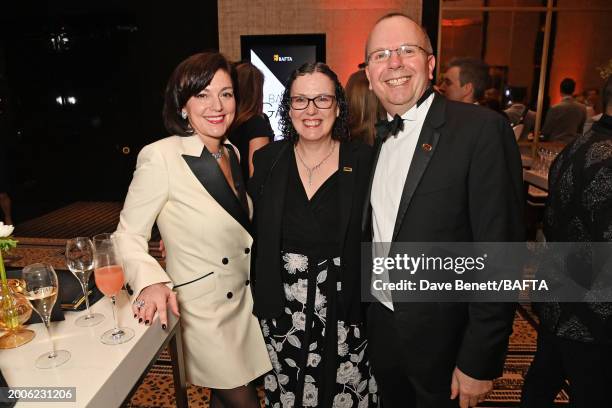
(464, 185)
(268, 188)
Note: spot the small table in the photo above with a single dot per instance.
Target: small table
(103, 375)
(535, 179)
(526, 160)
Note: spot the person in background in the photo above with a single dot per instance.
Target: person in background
(364, 109)
(251, 129)
(190, 184)
(593, 107)
(565, 120)
(308, 192)
(575, 339)
(519, 113)
(591, 97)
(465, 80)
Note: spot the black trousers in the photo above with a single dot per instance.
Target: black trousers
(398, 385)
(586, 366)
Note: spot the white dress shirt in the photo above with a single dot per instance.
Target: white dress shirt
(388, 184)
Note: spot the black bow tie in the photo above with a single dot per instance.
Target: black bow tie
(385, 128)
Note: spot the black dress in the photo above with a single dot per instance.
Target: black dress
(304, 362)
(254, 127)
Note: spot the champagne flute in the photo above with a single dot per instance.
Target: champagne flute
(41, 289)
(108, 274)
(79, 259)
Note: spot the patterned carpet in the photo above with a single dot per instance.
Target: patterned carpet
(80, 219)
(157, 389)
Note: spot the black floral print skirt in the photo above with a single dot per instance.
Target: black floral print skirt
(299, 356)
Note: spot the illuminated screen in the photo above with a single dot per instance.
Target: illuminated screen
(277, 56)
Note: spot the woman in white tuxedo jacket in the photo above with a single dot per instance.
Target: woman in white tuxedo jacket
(191, 185)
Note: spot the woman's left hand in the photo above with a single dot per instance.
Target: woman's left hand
(155, 298)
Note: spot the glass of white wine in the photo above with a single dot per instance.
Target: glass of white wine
(80, 261)
(41, 289)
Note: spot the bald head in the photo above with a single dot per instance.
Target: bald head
(424, 42)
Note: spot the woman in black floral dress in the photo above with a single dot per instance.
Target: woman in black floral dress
(308, 192)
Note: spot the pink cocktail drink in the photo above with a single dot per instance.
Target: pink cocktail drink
(109, 279)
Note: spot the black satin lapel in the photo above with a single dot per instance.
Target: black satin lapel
(208, 173)
(425, 149)
(346, 185)
(367, 207)
(239, 183)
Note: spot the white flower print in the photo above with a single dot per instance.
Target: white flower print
(270, 383)
(295, 262)
(372, 386)
(288, 293)
(265, 330)
(311, 395)
(313, 360)
(320, 300)
(356, 378)
(365, 402)
(299, 320)
(287, 399)
(343, 349)
(273, 358)
(343, 400)
(342, 332)
(299, 290)
(345, 372)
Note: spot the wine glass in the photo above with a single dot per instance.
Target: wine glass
(108, 274)
(41, 289)
(79, 259)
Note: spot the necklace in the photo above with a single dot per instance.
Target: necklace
(312, 169)
(219, 154)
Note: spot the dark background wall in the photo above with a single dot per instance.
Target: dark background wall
(81, 91)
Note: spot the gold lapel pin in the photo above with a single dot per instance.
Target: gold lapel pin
(427, 147)
(347, 169)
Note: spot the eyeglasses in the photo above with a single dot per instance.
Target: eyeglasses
(320, 101)
(403, 51)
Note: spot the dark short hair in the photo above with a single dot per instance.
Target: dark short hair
(473, 71)
(568, 85)
(518, 94)
(188, 79)
(340, 129)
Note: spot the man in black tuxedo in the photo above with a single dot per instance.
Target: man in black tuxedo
(452, 173)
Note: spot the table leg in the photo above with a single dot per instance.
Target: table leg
(178, 367)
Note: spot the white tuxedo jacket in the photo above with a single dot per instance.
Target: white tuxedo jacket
(204, 227)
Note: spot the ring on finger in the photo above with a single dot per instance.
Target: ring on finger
(139, 303)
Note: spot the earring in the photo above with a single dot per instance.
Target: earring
(183, 114)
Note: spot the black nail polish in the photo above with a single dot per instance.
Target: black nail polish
(135, 316)
(146, 322)
(140, 320)
(164, 326)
